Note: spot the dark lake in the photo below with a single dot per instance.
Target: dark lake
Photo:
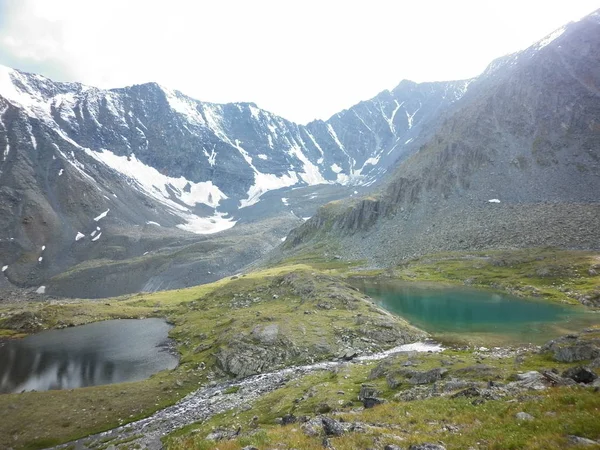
(107, 352)
(447, 309)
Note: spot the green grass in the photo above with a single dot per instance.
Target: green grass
(556, 275)
(207, 319)
(313, 307)
(558, 411)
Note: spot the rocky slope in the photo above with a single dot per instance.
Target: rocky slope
(91, 177)
(515, 163)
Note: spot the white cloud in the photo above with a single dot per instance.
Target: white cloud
(299, 59)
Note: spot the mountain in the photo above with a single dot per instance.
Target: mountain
(515, 163)
(104, 192)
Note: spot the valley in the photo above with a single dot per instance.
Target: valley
(421, 270)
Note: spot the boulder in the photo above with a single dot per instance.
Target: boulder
(574, 347)
(428, 376)
(427, 446)
(220, 434)
(367, 391)
(332, 427)
(532, 380)
(313, 427)
(322, 408)
(468, 393)
(370, 402)
(288, 419)
(524, 417)
(580, 374)
(581, 441)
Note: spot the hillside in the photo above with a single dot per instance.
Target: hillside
(515, 165)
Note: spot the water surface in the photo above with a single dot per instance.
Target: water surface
(107, 352)
(447, 309)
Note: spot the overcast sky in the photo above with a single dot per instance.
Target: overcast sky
(302, 59)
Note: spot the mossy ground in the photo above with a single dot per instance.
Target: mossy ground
(212, 315)
(458, 423)
(216, 313)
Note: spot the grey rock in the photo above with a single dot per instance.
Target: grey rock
(332, 427)
(469, 392)
(392, 447)
(572, 348)
(348, 354)
(578, 440)
(322, 408)
(313, 427)
(532, 380)
(220, 434)
(580, 374)
(524, 417)
(370, 402)
(427, 446)
(426, 377)
(288, 419)
(367, 391)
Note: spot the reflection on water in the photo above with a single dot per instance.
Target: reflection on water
(461, 310)
(100, 353)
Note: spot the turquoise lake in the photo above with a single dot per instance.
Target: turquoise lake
(443, 309)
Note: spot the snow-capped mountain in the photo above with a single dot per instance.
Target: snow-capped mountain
(81, 166)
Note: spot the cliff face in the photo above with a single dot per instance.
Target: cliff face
(515, 164)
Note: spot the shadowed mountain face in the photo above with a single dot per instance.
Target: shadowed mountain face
(104, 192)
(515, 163)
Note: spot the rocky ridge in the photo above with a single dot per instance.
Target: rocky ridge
(515, 164)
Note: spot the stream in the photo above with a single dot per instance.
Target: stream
(209, 401)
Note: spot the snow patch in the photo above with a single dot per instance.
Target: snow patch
(208, 225)
(336, 168)
(311, 137)
(494, 200)
(285, 201)
(150, 222)
(79, 236)
(97, 237)
(161, 187)
(335, 137)
(311, 174)
(409, 141)
(552, 36)
(263, 182)
(184, 106)
(40, 259)
(4, 268)
(43, 247)
(410, 117)
(60, 172)
(101, 216)
(41, 290)
(254, 112)
(262, 156)
(211, 157)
